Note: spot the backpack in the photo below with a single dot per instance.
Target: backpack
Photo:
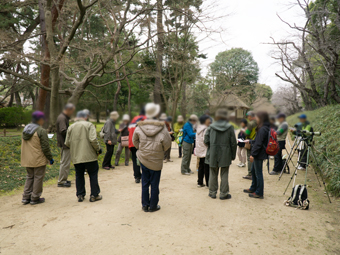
(298, 198)
(273, 145)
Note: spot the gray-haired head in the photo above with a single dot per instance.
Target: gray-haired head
(69, 106)
(87, 112)
(81, 114)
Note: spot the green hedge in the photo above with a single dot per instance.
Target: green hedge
(326, 120)
(14, 116)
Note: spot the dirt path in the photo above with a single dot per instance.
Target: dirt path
(189, 222)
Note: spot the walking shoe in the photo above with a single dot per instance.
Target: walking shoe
(179, 156)
(145, 208)
(26, 201)
(81, 198)
(156, 209)
(247, 191)
(116, 164)
(200, 185)
(212, 196)
(112, 167)
(191, 172)
(165, 161)
(226, 197)
(64, 185)
(68, 182)
(248, 177)
(170, 160)
(242, 165)
(185, 173)
(126, 164)
(106, 168)
(254, 195)
(137, 180)
(38, 201)
(97, 198)
(301, 168)
(239, 164)
(274, 173)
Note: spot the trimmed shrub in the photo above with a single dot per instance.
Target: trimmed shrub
(14, 116)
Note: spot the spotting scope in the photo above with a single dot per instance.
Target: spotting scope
(305, 132)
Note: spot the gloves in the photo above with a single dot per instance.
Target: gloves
(51, 161)
(100, 151)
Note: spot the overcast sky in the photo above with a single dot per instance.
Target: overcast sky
(249, 25)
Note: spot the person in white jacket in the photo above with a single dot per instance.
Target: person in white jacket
(201, 151)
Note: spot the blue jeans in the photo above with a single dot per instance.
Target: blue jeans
(150, 177)
(257, 184)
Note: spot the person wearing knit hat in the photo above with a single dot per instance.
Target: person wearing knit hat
(110, 139)
(35, 155)
(188, 139)
(123, 140)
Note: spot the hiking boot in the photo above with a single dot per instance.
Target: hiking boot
(156, 209)
(38, 201)
(254, 195)
(137, 180)
(248, 177)
(97, 198)
(64, 185)
(274, 173)
(226, 197)
(81, 198)
(248, 191)
(212, 196)
(26, 201)
(145, 208)
(200, 185)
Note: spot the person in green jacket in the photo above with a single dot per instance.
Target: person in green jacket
(178, 126)
(304, 124)
(221, 141)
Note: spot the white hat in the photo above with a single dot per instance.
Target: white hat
(193, 117)
(126, 117)
(163, 117)
(152, 110)
(114, 115)
(180, 118)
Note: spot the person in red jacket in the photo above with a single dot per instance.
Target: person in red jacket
(132, 126)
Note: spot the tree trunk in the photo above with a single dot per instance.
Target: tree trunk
(54, 103)
(17, 99)
(159, 55)
(183, 102)
(115, 101)
(129, 86)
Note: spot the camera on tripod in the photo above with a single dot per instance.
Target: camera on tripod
(305, 133)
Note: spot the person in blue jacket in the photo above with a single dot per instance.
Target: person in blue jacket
(187, 145)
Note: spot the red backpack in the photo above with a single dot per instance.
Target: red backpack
(273, 145)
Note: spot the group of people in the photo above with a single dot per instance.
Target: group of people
(148, 138)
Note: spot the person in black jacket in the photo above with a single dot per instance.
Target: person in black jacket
(258, 154)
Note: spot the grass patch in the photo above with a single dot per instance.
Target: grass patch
(326, 120)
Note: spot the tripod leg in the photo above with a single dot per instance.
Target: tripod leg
(292, 152)
(321, 175)
(291, 178)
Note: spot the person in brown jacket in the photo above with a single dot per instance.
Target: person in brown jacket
(62, 125)
(35, 155)
(151, 139)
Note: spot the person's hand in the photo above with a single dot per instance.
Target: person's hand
(51, 162)
(171, 132)
(100, 151)
(120, 130)
(246, 141)
(109, 142)
(251, 159)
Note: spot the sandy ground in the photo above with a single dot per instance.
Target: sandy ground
(189, 222)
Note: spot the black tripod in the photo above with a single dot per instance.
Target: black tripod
(305, 141)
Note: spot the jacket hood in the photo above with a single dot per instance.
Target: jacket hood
(221, 125)
(29, 131)
(201, 128)
(151, 127)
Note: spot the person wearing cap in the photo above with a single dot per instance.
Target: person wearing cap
(35, 155)
(124, 135)
(250, 135)
(188, 140)
(110, 139)
(82, 140)
(304, 124)
(167, 120)
(151, 139)
(132, 127)
(221, 141)
(281, 132)
(178, 126)
(62, 125)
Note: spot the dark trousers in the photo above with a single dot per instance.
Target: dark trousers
(303, 156)
(108, 155)
(136, 169)
(278, 165)
(180, 151)
(150, 178)
(257, 184)
(167, 154)
(203, 170)
(34, 182)
(92, 170)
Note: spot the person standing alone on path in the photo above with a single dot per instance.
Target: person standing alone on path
(201, 151)
(123, 140)
(178, 126)
(62, 125)
(221, 141)
(110, 139)
(250, 135)
(188, 140)
(132, 126)
(151, 139)
(35, 155)
(82, 140)
(281, 132)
